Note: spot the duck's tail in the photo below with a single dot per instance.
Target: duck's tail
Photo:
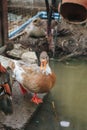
(2, 68)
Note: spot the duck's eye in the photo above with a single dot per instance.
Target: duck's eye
(47, 57)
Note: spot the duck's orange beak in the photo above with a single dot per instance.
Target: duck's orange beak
(43, 64)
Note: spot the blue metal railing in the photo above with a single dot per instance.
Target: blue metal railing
(41, 14)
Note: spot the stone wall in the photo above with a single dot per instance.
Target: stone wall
(28, 2)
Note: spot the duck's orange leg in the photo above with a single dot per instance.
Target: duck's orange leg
(36, 99)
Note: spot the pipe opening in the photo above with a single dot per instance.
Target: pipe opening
(73, 12)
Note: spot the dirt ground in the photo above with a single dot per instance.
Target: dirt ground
(75, 43)
(70, 40)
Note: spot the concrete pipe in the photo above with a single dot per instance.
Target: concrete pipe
(74, 10)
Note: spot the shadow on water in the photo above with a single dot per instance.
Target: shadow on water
(65, 108)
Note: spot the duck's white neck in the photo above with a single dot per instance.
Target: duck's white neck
(48, 69)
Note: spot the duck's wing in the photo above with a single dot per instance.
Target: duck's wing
(30, 68)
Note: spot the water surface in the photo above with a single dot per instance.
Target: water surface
(70, 92)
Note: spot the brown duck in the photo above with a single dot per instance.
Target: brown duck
(34, 78)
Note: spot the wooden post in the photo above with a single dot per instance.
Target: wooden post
(3, 22)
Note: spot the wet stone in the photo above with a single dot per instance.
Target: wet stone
(23, 108)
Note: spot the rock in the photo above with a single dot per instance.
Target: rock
(2, 49)
(35, 29)
(29, 57)
(22, 53)
(17, 51)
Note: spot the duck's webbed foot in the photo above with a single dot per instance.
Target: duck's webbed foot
(36, 99)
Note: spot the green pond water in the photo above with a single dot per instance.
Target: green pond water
(70, 93)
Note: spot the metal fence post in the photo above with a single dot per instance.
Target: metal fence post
(3, 22)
